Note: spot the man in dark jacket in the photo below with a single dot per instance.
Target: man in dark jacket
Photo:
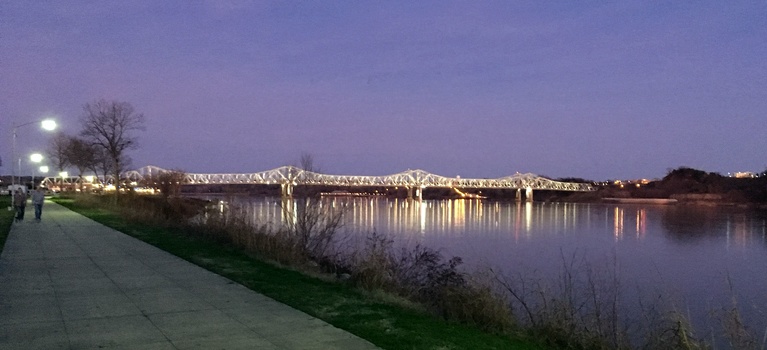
(20, 203)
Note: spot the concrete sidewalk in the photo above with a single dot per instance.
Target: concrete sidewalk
(71, 283)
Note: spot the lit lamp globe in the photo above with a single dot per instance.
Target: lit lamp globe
(49, 124)
(36, 157)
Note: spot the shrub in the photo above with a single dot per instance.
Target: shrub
(312, 228)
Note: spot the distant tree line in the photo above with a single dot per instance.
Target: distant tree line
(107, 133)
(690, 181)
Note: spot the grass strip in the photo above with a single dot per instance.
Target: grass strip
(384, 324)
(6, 219)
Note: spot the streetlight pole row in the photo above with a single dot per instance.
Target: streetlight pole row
(46, 124)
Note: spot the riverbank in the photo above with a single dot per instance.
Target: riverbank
(554, 319)
(659, 201)
(383, 320)
(707, 200)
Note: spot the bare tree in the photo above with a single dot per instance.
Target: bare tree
(168, 182)
(110, 125)
(57, 151)
(81, 155)
(312, 227)
(102, 165)
(306, 163)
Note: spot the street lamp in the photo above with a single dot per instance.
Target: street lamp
(46, 124)
(35, 158)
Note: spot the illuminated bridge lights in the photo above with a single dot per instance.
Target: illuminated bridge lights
(293, 176)
(412, 180)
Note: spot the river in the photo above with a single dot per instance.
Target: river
(698, 258)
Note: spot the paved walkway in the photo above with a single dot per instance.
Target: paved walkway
(71, 283)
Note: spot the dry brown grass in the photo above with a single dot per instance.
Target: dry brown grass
(582, 309)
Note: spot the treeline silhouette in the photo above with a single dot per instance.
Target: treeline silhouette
(686, 180)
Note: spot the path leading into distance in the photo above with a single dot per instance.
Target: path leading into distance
(71, 283)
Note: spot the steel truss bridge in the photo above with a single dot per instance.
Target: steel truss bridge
(414, 180)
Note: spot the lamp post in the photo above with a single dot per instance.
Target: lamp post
(46, 124)
(35, 158)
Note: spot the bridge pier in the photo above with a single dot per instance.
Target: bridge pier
(289, 208)
(528, 195)
(286, 188)
(415, 192)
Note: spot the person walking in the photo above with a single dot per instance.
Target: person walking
(20, 203)
(38, 197)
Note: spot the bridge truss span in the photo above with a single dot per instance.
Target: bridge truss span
(290, 176)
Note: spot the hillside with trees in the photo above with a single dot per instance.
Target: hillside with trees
(692, 185)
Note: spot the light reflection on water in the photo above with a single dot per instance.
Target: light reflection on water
(690, 254)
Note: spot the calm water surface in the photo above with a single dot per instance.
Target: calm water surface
(697, 257)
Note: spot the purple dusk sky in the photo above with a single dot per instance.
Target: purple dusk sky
(482, 89)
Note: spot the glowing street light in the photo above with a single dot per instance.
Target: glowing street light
(35, 158)
(46, 124)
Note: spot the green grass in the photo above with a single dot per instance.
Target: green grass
(387, 325)
(6, 219)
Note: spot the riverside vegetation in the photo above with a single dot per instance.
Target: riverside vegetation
(404, 298)
(227, 246)
(6, 219)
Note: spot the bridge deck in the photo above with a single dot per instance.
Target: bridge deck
(410, 178)
(293, 176)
